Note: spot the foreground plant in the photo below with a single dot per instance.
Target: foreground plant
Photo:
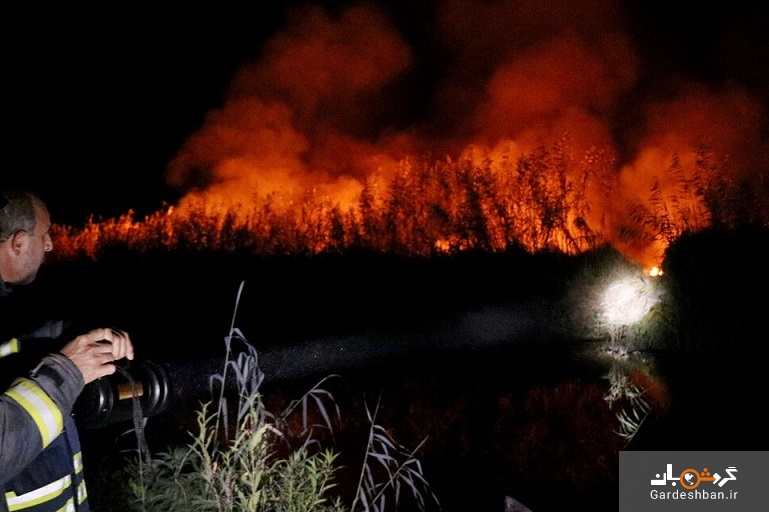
(388, 467)
(629, 401)
(245, 459)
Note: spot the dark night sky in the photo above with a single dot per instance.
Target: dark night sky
(99, 105)
(98, 101)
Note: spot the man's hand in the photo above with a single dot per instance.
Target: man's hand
(94, 352)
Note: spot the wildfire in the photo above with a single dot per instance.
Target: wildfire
(539, 202)
(527, 127)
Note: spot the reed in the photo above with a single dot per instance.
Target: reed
(244, 458)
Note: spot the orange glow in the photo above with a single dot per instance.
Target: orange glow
(521, 142)
(541, 201)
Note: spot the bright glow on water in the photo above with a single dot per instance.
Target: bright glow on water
(627, 300)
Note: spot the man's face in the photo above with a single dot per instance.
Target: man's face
(38, 243)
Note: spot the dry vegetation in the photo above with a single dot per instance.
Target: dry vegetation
(541, 201)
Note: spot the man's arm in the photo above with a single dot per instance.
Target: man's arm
(32, 411)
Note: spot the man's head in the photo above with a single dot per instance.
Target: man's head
(24, 235)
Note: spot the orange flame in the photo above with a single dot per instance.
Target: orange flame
(311, 150)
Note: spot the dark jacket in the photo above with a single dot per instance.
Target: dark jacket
(40, 455)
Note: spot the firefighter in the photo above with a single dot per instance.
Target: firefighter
(40, 458)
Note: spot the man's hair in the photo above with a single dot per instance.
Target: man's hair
(17, 212)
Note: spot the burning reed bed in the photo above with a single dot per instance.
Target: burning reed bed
(547, 200)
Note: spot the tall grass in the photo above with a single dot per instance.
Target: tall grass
(244, 458)
(388, 469)
(629, 402)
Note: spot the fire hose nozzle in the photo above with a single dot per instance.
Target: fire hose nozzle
(138, 384)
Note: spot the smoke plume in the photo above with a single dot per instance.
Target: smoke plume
(323, 107)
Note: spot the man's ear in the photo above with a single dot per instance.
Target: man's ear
(19, 241)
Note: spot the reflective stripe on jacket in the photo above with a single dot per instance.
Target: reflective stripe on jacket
(40, 456)
(40, 407)
(9, 347)
(54, 482)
